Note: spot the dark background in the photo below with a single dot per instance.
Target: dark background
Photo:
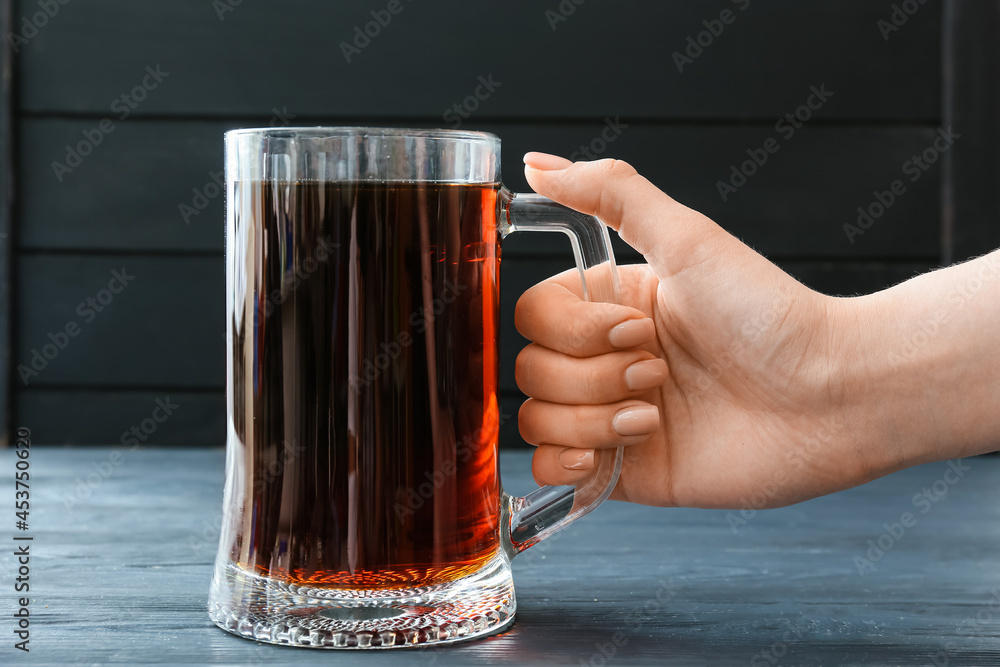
(560, 80)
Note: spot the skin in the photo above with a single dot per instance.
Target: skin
(747, 388)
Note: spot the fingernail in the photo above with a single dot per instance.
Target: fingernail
(545, 161)
(646, 374)
(638, 420)
(575, 459)
(632, 332)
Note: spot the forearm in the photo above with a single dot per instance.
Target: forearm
(921, 367)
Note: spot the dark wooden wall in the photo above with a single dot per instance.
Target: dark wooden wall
(260, 63)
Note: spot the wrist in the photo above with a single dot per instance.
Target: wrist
(917, 370)
(876, 381)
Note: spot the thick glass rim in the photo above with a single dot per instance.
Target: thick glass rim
(354, 153)
(330, 132)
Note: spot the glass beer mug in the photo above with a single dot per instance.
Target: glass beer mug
(363, 505)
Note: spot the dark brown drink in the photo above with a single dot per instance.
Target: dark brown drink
(364, 381)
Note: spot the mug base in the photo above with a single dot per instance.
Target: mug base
(276, 612)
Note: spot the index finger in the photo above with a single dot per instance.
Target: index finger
(553, 314)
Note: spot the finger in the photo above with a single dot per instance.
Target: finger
(669, 235)
(558, 378)
(586, 426)
(554, 316)
(545, 161)
(558, 466)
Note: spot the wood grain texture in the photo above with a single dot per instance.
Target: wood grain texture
(127, 195)
(121, 567)
(429, 57)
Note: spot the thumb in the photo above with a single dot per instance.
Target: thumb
(669, 235)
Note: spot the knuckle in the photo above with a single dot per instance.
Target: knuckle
(536, 308)
(522, 311)
(611, 200)
(577, 335)
(524, 423)
(530, 304)
(522, 365)
(540, 468)
(616, 168)
(583, 327)
(596, 382)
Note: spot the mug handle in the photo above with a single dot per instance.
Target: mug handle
(526, 520)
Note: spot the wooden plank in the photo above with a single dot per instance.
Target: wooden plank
(796, 203)
(604, 59)
(6, 217)
(663, 587)
(165, 327)
(972, 106)
(126, 195)
(94, 417)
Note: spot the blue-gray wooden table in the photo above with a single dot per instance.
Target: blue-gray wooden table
(903, 571)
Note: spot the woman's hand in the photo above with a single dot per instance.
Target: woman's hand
(730, 383)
